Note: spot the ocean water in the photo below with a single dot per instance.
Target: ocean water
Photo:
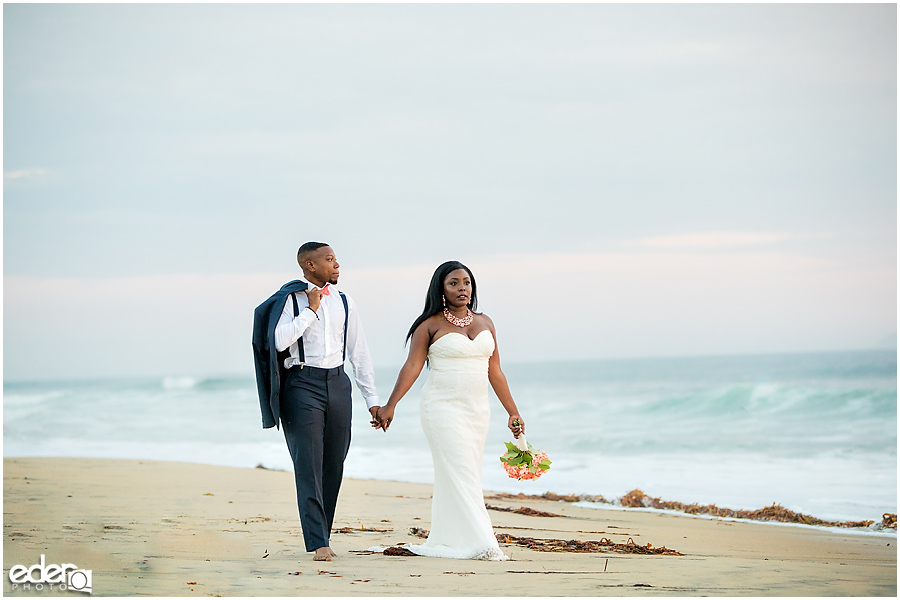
(816, 433)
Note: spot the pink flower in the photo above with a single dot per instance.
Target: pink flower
(523, 472)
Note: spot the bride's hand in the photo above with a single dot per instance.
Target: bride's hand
(384, 416)
(516, 424)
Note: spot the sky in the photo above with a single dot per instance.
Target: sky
(623, 180)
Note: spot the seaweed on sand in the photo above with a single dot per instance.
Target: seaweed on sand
(398, 551)
(552, 497)
(554, 545)
(524, 510)
(638, 499)
(775, 512)
(603, 545)
(362, 528)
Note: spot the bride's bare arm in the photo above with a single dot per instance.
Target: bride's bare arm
(501, 388)
(409, 372)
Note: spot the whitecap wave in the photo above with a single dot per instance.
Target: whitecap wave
(181, 383)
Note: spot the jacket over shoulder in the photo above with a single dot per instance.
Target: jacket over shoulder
(270, 371)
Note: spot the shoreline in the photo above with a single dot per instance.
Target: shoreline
(863, 531)
(775, 514)
(180, 529)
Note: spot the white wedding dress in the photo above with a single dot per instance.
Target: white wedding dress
(455, 414)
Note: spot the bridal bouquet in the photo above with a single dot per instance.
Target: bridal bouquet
(522, 461)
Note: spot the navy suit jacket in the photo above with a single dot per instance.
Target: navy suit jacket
(270, 371)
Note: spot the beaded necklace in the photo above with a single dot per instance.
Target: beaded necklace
(464, 322)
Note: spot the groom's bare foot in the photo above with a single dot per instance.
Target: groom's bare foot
(331, 552)
(323, 553)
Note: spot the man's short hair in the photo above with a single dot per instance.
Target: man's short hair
(306, 249)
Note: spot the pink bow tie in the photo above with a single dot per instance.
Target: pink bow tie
(325, 290)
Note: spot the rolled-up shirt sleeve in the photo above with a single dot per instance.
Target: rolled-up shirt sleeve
(290, 328)
(358, 355)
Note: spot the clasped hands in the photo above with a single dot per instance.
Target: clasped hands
(381, 417)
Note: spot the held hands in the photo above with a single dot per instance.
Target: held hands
(374, 412)
(314, 295)
(516, 425)
(382, 417)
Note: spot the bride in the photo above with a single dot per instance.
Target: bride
(461, 349)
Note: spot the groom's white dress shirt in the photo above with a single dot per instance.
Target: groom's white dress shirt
(323, 338)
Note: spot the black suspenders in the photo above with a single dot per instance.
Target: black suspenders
(346, 319)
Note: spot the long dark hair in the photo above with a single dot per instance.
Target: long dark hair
(434, 299)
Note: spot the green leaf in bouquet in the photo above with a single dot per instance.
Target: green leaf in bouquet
(508, 456)
(511, 447)
(545, 465)
(516, 461)
(532, 469)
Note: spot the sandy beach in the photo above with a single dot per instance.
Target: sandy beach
(147, 528)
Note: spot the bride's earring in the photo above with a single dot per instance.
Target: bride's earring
(444, 298)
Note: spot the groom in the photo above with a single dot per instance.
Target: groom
(302, 381)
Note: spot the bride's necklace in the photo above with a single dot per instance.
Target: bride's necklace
(464, 322)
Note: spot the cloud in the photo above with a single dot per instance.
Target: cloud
(27, 173)
(714, 239)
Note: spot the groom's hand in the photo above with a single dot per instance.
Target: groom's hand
(314, 295)
(374, 422)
